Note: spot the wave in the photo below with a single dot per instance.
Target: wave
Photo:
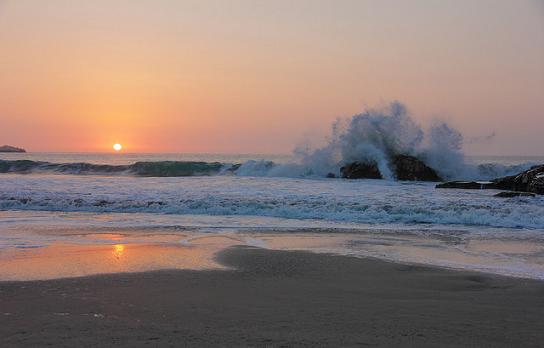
(378, 135)
(154, 169)
(326, 200)
(375, 137)
(257, 168)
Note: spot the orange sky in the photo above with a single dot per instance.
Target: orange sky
(262, 76)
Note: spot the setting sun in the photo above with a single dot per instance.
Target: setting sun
(277, 157)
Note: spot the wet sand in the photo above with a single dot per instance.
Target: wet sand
(276, 298)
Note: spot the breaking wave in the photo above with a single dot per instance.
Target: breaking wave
(249, 168)
(375, 202)
(154, 169)
(375, 137)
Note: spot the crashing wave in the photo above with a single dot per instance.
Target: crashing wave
(378, 136)
(375, 137)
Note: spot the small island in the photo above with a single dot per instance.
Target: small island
(7, 148)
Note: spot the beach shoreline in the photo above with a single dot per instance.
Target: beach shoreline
(276, 298)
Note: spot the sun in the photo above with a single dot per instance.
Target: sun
(117, 147)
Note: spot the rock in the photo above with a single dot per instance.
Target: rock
(508, 183)
(468, 185)
(413, 169)
(360, 170)
(531, 180)
(7, 148)
(404, 167)
(331, 175)
(508, 194)
(536, 185)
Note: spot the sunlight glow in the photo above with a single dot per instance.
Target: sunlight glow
(118, 250)
(117, 147)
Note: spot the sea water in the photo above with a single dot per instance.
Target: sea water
(43, 204)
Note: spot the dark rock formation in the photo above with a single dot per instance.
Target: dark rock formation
(404, 167)
(531, 180)
(7, 148)
(412, 169)
(537, 185)
(468, 185)
(509, 194)
(360, 170)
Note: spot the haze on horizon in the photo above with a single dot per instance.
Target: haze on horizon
(261, 76)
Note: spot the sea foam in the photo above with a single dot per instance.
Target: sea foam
(357, 201)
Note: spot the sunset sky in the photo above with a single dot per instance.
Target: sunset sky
(261, 76)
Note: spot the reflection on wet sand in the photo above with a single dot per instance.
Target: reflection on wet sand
(139, 251)
(73, 260)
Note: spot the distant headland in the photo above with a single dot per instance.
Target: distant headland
(7, 148)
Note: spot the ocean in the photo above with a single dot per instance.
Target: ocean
(265, 201)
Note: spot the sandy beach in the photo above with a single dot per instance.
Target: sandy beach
(275, 299)
(271, 173)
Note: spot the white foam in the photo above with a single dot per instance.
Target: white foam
(375, 136)
(365, 201)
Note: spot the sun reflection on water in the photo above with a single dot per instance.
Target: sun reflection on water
(64, 260)
(118, 250)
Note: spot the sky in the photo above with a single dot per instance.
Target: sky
(254, 76)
